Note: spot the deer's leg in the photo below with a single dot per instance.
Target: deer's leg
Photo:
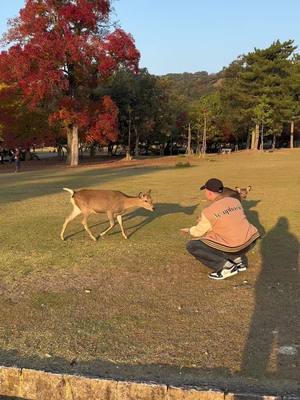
(111, 222)
(119, 219)
(76, 211)
(84, 223)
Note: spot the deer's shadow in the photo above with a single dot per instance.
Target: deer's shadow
(252, 215)
(161, 210)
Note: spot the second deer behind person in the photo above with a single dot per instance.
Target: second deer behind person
(111, 202)
(237, 193)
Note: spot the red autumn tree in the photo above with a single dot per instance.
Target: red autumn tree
(59, 51)
(21, 126)
(96, 121)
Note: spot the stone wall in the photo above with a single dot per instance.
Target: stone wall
(38, 385)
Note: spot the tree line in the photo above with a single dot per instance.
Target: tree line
(69, 77)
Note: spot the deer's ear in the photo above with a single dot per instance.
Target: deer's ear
(248, 188)
(140, 195)
(238, 189)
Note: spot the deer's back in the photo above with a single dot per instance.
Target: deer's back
(100, 200)
(227, 192)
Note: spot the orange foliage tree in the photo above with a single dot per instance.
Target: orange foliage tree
(59, 51)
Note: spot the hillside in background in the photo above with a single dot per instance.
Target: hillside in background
(193, 85)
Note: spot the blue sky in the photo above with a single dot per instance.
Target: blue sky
(197, 35)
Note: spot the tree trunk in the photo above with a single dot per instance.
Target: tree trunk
(72, 137)
(137, 140)
(198, 150)
(256, 137)
(146, 147)
(252, 139)
(128, 154)
(262, 138)
(188, 150)
(292, 135)
(60, 153)
(92, 151)
(249, 136)
(161, 149)
(110, 149)
(274, 142)
(203, 149)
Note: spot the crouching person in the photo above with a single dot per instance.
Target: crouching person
(223, 235)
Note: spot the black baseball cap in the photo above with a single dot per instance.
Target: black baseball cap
(214, 185)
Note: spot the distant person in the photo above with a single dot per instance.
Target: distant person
(22, 155)
(11, 154)
(17, 157)
(223, 235)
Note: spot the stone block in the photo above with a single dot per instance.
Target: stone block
(193, 394)
(79, 388)
(37, 385)
(140, 391)
(9, 381)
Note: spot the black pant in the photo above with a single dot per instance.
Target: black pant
(17, 165)
(213, 258)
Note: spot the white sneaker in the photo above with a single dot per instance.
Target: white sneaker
(224, 273)
(241, 265)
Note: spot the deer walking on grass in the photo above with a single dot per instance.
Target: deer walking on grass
(111, 202)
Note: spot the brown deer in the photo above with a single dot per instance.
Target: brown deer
(238, 193)
(111, 202)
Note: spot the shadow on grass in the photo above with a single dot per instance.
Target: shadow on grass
(273, 344)
(24, 187)
(173, 375)
(252, 215)
(154, 373)
(161, 210)
(12, 398)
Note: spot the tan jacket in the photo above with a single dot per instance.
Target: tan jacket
(224, 226)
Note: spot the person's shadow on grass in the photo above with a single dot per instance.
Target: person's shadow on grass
(273, 344)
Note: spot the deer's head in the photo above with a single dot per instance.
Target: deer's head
(146, 200)
(243, 192)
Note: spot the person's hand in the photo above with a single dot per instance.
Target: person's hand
(184, 231)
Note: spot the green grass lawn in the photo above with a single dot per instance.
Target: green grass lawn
(144, 308)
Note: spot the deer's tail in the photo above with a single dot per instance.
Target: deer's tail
(70, 191)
